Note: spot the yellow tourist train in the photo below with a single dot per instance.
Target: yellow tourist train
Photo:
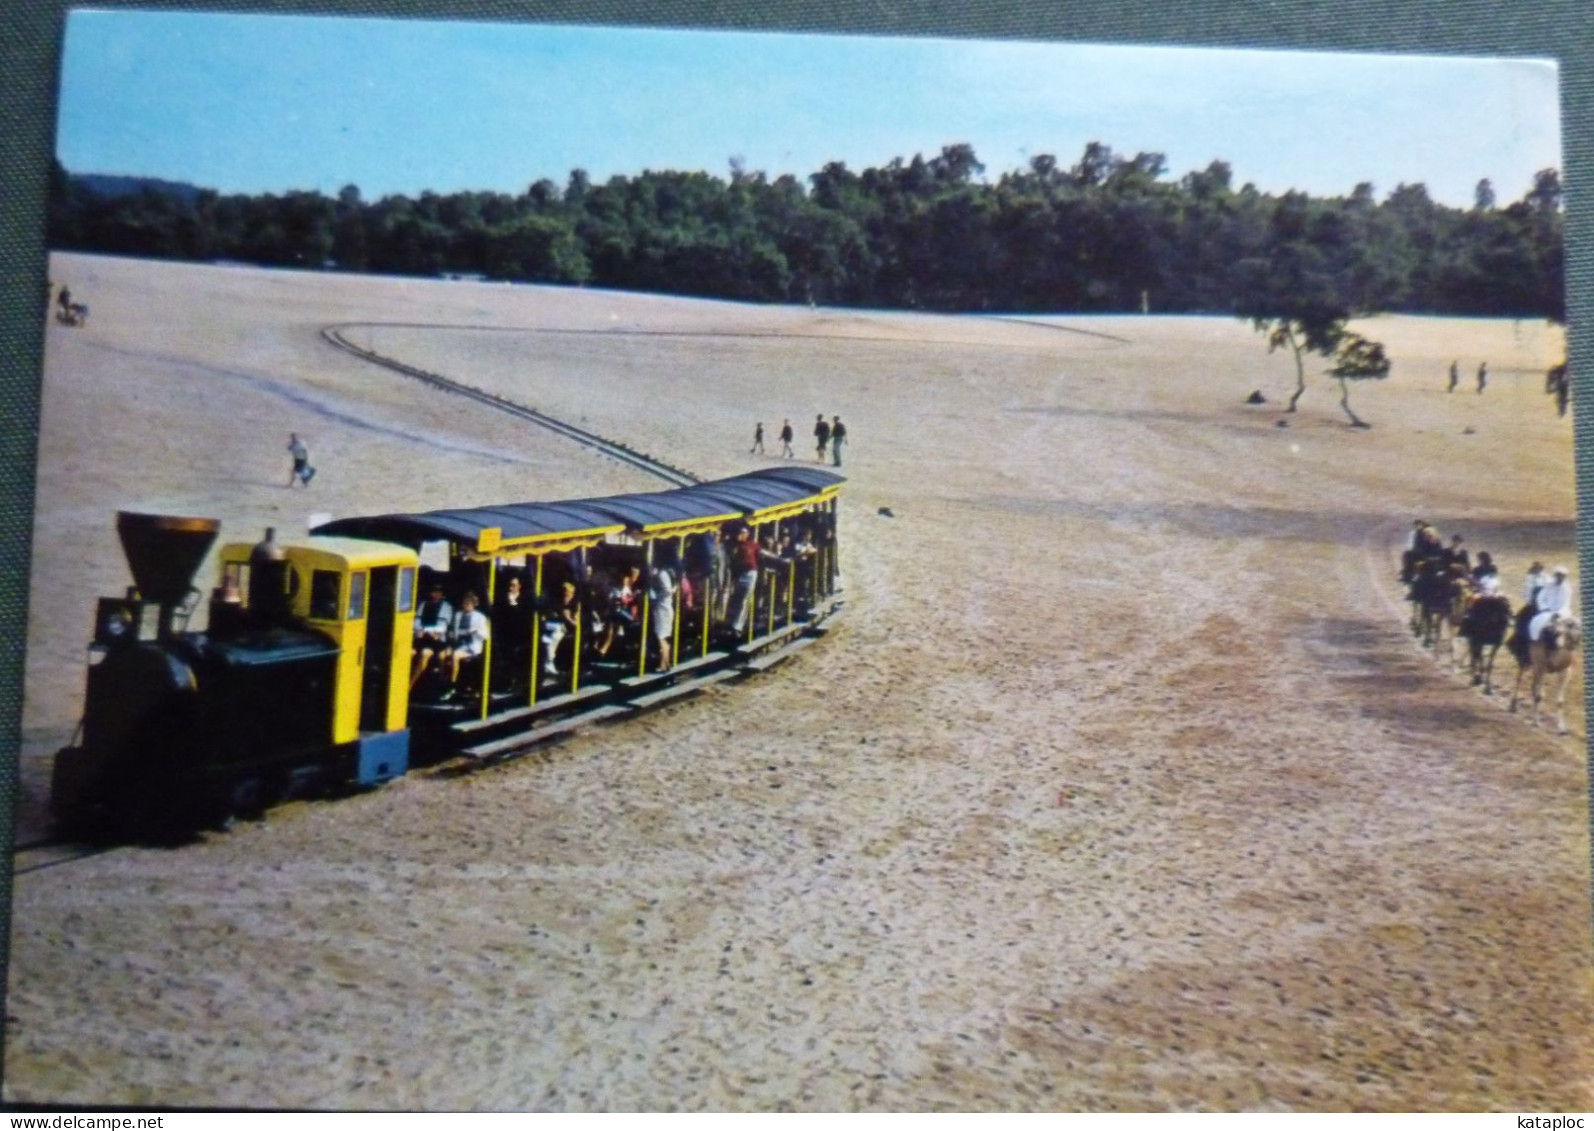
(333, 662)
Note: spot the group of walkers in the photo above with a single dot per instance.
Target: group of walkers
(1455, 375)
(1437, 575)
(1556, 383)
(830, 435)
(618, 606)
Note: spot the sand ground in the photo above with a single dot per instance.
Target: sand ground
(1121, 784)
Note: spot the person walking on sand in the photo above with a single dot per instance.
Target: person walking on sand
(822, 434)
(786, 435)
(1483, 375)
(758, 440)
(302, 471)
(838, 437)
(1455, 375)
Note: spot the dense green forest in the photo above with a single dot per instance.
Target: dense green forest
(1106, 234)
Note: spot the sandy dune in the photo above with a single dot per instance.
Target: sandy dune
(1121, 785)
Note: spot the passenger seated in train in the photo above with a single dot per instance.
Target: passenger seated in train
(558, 621)
(432, 620)
(467, 640)
(512, 633)
(622, 611)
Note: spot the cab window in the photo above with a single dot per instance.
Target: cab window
(356, 596)
(235, 582)
(324, 594)
(406, 589)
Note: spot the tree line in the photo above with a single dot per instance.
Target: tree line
(1110, 233)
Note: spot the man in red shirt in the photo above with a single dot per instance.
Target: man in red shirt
(744, 570)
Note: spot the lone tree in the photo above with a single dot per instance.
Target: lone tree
(1357, 359)
(1295, 289)
(1302, 333)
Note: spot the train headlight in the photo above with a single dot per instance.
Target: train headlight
(116, 623)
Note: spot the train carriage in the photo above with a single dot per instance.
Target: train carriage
(593, 543)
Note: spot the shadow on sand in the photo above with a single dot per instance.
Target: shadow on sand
(1224, 520)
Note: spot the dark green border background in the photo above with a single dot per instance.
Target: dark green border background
(30, 40)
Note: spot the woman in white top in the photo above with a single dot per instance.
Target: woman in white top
(661, 609)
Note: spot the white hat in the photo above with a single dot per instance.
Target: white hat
(1560, 571)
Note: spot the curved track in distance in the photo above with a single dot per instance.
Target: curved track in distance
(335, 336)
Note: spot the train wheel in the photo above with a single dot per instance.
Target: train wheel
(248, 800)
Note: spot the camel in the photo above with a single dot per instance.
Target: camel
(1550, 658)
(1484, 624)
(1420, 578)
(1436, 594)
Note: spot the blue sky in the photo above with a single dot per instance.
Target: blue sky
(251, 103)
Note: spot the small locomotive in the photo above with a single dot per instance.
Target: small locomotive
(183, 729)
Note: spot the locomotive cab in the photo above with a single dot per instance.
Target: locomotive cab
(361, 596)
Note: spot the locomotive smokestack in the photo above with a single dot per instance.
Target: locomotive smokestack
(164, 552)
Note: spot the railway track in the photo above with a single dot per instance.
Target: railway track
(335, 336)
(42, 854)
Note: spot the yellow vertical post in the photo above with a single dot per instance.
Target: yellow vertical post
(675, 628)
(815, 563)
(536, 635)
(487, 645)
(642, 625)
(575, 657)
(835, 545)
(752, 594)
(706, 602)
(791, 589)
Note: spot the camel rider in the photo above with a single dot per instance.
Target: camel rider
(1412, 541)
(1530, 594)
(1553, 600)
(1533, 583)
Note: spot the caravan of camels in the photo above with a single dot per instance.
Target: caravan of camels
(1454, 598)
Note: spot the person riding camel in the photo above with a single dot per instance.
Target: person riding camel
(1534, 581)
(1553, 600)
(1423, 542)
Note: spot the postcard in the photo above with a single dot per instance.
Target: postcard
(590, 569)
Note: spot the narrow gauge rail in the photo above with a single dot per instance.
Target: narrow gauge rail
(337, 337)
(304, 682)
